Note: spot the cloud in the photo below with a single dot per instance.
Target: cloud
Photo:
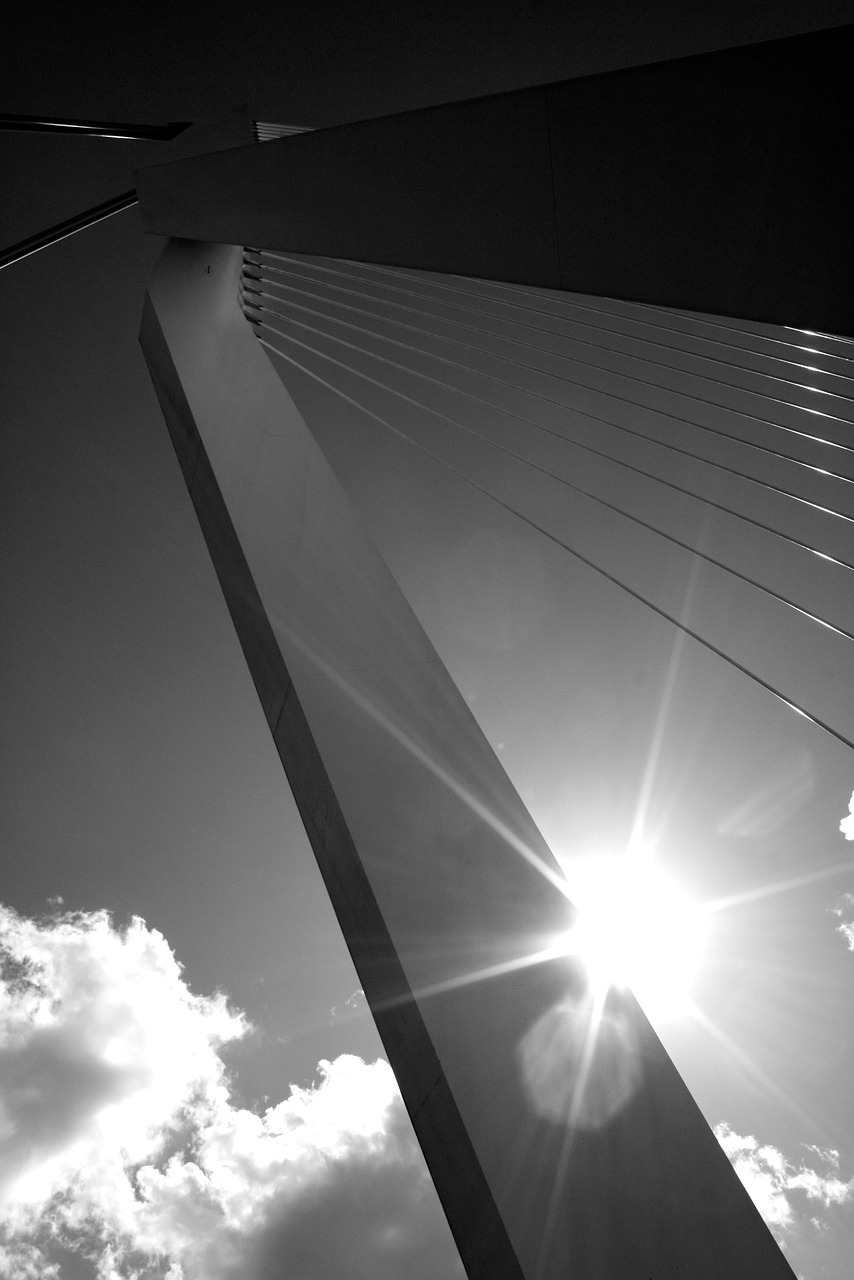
(771, 1179)
(121, 1144)
(354, 1006)
(845, 910)
(846, 826)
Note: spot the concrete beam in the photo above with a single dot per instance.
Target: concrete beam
(715, 183)
(560, 1137)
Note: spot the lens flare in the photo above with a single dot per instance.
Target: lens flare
(635, 928)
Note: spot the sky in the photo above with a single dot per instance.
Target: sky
(190, 1085)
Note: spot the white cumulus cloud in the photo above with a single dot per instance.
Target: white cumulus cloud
(846, 826)
(845, 910)
(770, 1179)
(121, 1144)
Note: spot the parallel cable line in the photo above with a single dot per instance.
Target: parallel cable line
(840, 593)
(817, 333)
(299, 272)
(687, 345)
(489, 356)
(842, 428)
(613, 578)
(617, 307)
(686, 546)
(752, 330)
(617, 312)
(681, 342)
(587, 448)
(651, 442)
(535, 409)
(429, 350)
(614, 309)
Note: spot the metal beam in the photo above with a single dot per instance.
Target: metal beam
(92, 128)
(60, 230)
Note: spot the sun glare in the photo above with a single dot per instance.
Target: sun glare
(635, 928)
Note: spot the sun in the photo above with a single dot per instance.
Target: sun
(635, 928)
